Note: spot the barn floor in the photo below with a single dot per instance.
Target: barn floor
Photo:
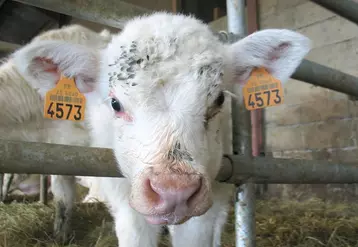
(279, 224)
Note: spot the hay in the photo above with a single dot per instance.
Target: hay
(31, 225)
(313, 223)
(279, 224)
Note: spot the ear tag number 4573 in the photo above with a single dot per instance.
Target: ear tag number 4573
(262, 90)
(65, 102)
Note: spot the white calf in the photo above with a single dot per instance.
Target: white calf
(160, 104)
(22, 101)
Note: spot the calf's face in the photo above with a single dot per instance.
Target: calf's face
(165, 97)
(161, 98)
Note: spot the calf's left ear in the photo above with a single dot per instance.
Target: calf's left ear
(279, 51)
(41, 63)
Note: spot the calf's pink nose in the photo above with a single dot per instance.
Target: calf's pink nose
(174, 194)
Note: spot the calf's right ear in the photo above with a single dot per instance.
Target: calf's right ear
(41, 63)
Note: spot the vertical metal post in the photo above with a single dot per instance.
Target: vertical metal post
(43, 189)
(245, 198)
(236, 16)
(2, 197)
(245, 215)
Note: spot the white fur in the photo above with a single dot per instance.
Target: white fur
(172, 88)
(23, 84)
(94, 194)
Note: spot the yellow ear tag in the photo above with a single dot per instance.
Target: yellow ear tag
(65, 102)
(262, 90)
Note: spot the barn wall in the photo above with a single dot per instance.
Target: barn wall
(313, 123)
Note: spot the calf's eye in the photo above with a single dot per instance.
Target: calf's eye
(116, 105)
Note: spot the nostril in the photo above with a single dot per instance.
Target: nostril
(196, 190)
(154, 187)
(151, 192)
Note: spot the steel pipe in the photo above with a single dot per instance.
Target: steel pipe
(245, 218)
(323, 76)
(8, 47)
(236, 16)
(43, 158)
(345, 8)
(110, 12)
(1, 186)
(44, 189)
(292, 171)
(245, 198)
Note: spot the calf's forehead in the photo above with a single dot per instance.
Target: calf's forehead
(164, 51)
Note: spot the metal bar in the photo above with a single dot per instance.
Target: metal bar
(245, 223)
(252, 16)
(345, 8)
(323, 76)
(235, 10)
(176, 6)
(240, 116)
(2, 197)
(43, 158)
(8, 47)
(292, 171)
(7, 181)
(112, 13)
(245, 199)
(44, 189)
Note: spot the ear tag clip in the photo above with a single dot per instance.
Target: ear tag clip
(65, 101)
(262, 90)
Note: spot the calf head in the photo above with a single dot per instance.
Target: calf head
(161, 90)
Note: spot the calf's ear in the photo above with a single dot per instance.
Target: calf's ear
(41, 63)
(279, 51)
